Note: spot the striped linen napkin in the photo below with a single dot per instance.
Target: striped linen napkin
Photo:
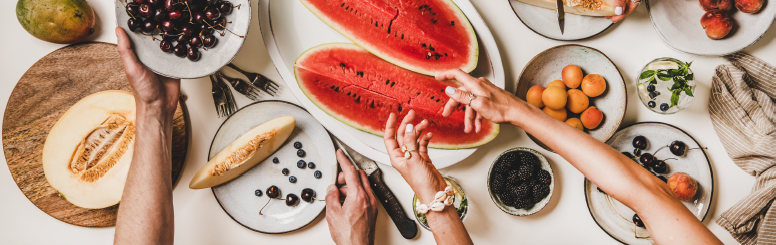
(743, 115)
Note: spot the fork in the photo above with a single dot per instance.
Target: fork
(219, 98)
(231, 105)
(241, 86)
(258, 80)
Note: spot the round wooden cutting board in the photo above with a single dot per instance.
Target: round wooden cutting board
(51, 86)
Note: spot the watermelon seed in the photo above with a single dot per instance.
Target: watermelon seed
(332, 87)
(393, 83)
(342, 64)
(423, 45)
(399, 108)
(387, 81)
(432, 97)
(434, 21)
(445, 54)
(452, 23)
(336, 89)
(348, 93)
(372, 104)
(358, 100)
(342, 5)
(437, 56)
(431, 48)
(354, 95)
(346, 8)
(375, 23)
(437, 100)
(402, 36)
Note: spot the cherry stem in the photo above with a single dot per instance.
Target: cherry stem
(125, 8)
(658, 150)
(238, 6)
(319, 199)
(670, 159)
(705, 148)
(265, 205)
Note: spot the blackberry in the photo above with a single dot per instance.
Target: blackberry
(508, 160)
(512, 177)
(528, 159)
(526, 172)
(543, 177)
(497, 183)
(522, 203)
(500, 167)
(509, 197)
(523, 191)
(540, 192)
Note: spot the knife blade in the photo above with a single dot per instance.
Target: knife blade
(561, 15)
(406, 226)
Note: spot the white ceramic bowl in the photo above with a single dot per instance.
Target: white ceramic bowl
(519, 211)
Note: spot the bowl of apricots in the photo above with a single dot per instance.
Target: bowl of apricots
(577, 85)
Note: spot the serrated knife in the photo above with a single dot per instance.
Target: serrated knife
(406, 226)
(561, 15)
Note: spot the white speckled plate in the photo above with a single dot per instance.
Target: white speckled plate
(519, 211)
(211, 60)
(678, 23)
(614, 217)
(547, 66)
(545, 22)
(237, 197)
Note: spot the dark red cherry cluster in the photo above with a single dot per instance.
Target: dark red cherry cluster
(189, 24)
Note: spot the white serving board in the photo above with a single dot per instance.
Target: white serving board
(289, 29)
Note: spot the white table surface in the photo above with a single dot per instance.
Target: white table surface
(199, 219)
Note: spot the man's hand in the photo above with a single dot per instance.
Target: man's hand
(353, 220)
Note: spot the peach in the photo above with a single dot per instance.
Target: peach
(683, 186)
(717, 24)
(577, 101)
(534, 96)
(572, 76)
(557, 114)
(749, 6)
(557, 83)
(709, 5)
(554, 97)
(574, 122)
(593, 85)
(591, 117)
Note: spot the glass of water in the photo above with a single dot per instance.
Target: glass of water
(666, 85)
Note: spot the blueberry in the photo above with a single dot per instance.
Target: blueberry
(258, 193)
(298, 145)
(652, 95)
(651, 88)
(292, 179)
(301, 164)
(300, 153)
(637, 152)
(318, 174)
(637, 220)
(651, 104)
(310, 165)
(664, 107)
(275, 160)
(285, 171)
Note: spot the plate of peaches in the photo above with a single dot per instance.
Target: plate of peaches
(710, 27)
(578, 85)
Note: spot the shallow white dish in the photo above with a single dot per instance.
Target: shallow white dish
(237, 198)
(678, 23)
(545, 22)
(520, 211)
(289, 29)
(615, 218)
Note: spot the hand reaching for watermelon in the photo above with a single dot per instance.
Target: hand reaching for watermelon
(490, 102)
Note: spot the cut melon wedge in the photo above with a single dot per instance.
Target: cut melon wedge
(244, 153)
(88, 152)
(578, 7)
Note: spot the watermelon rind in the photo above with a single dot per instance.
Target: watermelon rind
(495, 131)
(470, 66)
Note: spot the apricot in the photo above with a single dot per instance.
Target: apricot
(749, 6)
(554, 97)
(709, 5)
(717, 24)
(683, 186)
(572, 76)
(591, 117)
(534, 96)
(557, 83)
(574, 122)
(557, 114)
(593, 85)
(577, 101)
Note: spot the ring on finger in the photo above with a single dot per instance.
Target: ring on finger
(471, 97)
(636, 1)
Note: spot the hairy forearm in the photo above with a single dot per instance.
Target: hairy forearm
(146, 211)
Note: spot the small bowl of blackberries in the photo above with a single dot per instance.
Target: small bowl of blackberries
(520, 181)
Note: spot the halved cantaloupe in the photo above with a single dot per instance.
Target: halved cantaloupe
(578, 7)
(88, 152)
(244, 153)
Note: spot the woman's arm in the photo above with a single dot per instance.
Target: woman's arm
(146, 211)
(666, 219)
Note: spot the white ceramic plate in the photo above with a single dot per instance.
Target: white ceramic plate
(237, 197)
(289, 29)
(211, 60)
(614, 217)
(545, 22)
(678, 23)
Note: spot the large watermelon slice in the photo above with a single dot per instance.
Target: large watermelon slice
(425, 36)
(361, 90)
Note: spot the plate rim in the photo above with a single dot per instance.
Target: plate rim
(556, 39)
(214, 191)
(711, 172)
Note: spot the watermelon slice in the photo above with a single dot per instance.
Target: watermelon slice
(361, 90)
(425, 36)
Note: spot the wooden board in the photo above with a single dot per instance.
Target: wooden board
(51, 86)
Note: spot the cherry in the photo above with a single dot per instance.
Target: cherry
(659, 166)
(212, 14)
(193, 54)
(179, 50)
(205, 29)
(197, 17)
(308, 195)
(640, 142)
(149, 25)
(188, 29)
(146, 10)
(141, 1)
(155, 2)
(169, 36)
(160, 14)
(211, 3)
(678, 148)
(292, 200)
(225, 7)
(133, 9)
(272, 192)
(637, 220)
(195, 42)
(647, 159)
(219, 24)
(176, 14)
(171, 5)
(183, 39)
(167, 25)
(166, 46)
(135, 25)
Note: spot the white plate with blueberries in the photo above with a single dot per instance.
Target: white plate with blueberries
(300, 171)
(665, 151)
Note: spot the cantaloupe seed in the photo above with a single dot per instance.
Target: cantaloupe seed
(238, 157)
(102, 148)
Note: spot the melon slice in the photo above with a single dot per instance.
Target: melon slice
(425, 36)
(578, 7)
(361, 90)
(244, 153)
(88, 152)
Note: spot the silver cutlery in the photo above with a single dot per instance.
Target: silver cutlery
(219, 98)
(241, 86)
(231, 105)
(258, 80)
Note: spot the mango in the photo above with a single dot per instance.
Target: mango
(56, 21)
